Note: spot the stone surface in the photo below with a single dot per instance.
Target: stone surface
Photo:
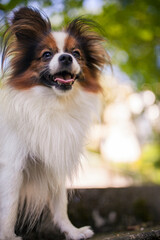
(148, 234)
(115, 209)
(113, 213)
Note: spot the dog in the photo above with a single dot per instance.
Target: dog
(46, 103)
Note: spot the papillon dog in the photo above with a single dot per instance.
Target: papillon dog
(46, 103)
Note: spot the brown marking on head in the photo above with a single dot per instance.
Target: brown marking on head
(73, 47)
(93, 54)
(46, 44)
(70, 43)
(90, 82)
(26, 40)
(25, 81)
(39, 64)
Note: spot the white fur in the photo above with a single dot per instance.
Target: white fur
(60, 37)
(41, 138)
(54, 64)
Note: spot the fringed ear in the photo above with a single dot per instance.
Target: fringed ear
(28, 27)
(95, 55)
(29, 24)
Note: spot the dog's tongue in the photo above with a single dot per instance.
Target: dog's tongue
(65, 78)
(64, 81)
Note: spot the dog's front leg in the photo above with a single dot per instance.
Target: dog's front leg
(10, 183)
(60, 218)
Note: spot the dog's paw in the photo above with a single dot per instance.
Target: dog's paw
(79, 233)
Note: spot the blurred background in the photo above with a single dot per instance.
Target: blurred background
(123, 147)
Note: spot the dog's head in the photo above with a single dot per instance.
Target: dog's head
(54, 59)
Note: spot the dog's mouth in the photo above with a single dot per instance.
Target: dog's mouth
(62, 80)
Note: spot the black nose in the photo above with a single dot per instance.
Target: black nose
(65, 59)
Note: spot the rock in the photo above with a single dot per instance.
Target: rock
(110, 212)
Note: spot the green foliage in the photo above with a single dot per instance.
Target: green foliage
(134, 27)
(146, 169)
(149, 164)
(133, 31)
(11, 4)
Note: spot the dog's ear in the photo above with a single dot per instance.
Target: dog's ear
(94, 52)
(28, 24)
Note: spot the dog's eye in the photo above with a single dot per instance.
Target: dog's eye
(76, 54)
(46, 55)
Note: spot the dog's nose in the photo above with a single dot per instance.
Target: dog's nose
(65, 59)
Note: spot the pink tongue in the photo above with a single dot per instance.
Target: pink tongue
(64, 81)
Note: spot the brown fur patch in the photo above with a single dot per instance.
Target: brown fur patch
(47, 44)
(25, 41)
(94, 56)
(31, 77)
(25, 81)
(90, 83)
(70, 44)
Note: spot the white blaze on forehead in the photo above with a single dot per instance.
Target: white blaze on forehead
(54, 65)
(60, 38)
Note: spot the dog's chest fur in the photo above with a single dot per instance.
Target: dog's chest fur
(44, 135)
(47, 128)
